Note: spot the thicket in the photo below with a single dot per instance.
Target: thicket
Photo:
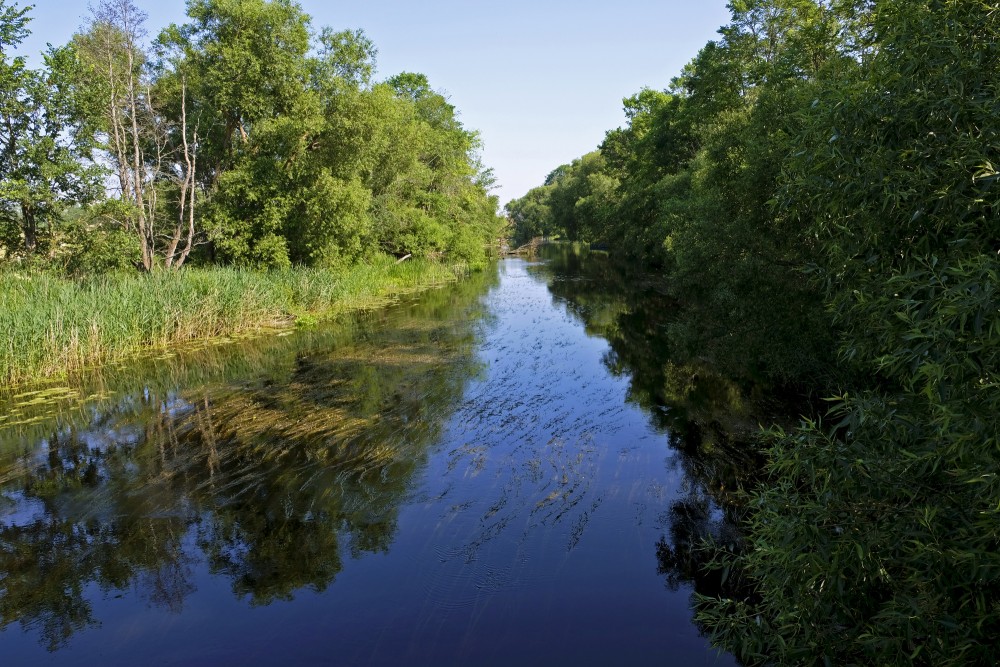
(820, 186)
(243, 137)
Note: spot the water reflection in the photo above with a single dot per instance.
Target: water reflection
(502, 472)
(711, 418)
(271, 476)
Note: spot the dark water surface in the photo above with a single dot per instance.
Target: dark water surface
(490, 474)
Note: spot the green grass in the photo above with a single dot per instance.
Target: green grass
(51, 326)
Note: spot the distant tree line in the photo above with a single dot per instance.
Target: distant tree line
(240, 137)
(820, 186)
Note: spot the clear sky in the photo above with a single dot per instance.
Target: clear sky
(541, 80)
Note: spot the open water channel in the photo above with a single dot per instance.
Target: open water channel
(506, 471)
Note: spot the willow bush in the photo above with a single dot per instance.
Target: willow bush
(877, 537)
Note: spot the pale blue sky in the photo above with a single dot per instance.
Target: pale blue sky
(541, 80)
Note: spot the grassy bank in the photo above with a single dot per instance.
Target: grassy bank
(51, 326)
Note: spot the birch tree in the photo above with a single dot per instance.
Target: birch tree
(149, 152)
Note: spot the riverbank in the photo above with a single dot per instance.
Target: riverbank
(52, 326)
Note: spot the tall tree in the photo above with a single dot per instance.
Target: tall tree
(44, 139)
(136, 138)
(183, 117)
(247, 64)
(238, 71)
(443, 203)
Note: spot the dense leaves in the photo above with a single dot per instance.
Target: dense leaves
(239, 137)
(43, 140)
(689, 183)
(882, 524)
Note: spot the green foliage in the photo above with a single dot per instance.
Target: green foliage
(326, 167)
(90, 244)
(348, 56)
(737, 262)
(531, 215)
(689, 186)
(368, 170)
(876, 540)
(43, 142)
(577, 202)
(237, 132)
(51, 326)
(650, 159)
(249, 64)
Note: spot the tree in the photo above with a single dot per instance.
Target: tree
(135, 135)
(579, 191)
(531, 215)
(182, 114)
(346, 56)
(44, 140)
(243, 68)
(186, 178)
(646, 157)
(247, 64)
(441, 203)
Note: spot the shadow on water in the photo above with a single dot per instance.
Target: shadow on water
(288, 454)
(713, 420)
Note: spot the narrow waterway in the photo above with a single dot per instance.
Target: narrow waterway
(483, 475)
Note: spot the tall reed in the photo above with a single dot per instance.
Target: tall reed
(51, 326)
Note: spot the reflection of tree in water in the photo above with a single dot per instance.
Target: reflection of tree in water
(47, 564)
(270, 479)
(680, 559)
(711, 419)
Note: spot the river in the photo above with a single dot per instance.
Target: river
(504, 471)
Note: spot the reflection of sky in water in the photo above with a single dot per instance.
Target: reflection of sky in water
(545, 500)
(498, 508)
(19, 510)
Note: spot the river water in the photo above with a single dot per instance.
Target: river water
(503, 471)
